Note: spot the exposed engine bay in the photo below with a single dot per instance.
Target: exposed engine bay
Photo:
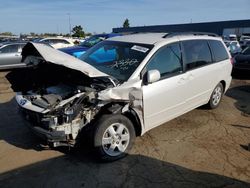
(65, 99)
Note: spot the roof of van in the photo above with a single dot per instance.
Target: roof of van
(152, 38)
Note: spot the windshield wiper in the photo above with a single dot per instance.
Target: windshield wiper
(107, 80)
(114, 81)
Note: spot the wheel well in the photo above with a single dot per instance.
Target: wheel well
(132, 116)
(224, 84)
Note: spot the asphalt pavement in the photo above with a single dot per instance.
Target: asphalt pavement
(203, 148)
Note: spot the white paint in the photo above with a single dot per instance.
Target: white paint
(60, 58)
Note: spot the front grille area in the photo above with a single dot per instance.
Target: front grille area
(34, 118)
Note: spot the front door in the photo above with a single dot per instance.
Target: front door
(165, 99)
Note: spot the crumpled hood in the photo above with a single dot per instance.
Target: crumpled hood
(52, 55)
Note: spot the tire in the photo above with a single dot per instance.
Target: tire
(114, 136)
(216, 96)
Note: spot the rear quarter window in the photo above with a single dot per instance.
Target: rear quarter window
(196, 54)
(13, 48)
(218, 50)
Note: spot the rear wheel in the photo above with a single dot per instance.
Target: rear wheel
(216, 96)
(113, 137)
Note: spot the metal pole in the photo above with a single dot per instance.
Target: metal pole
(69, 25)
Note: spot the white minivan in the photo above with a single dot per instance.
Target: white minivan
(120, 88)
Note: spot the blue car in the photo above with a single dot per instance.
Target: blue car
(77, 51)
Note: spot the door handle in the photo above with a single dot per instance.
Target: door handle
(17, 55)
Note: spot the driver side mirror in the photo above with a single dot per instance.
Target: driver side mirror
(152, 76)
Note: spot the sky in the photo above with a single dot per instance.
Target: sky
(98, 16)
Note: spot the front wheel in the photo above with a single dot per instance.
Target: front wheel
(113, 137)
(216, 96)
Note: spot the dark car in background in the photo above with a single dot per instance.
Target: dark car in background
(77, 51)
(247, 44)
(244, 40)
(233, 47)
(10, 55)
(242, 61)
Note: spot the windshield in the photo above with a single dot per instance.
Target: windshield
(117, 59)
(92, 41)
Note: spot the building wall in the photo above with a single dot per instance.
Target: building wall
(237, 31)
(213, 27)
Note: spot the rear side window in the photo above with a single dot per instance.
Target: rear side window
(48, 41)
(196, 54)
(53, 41)
(218, 49)
(63, 41)
(10, 49)
(56, 41)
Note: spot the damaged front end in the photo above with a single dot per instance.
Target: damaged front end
(57, 99)
(54, 116)
(60, 95)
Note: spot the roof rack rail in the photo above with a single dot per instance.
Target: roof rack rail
(189, 33)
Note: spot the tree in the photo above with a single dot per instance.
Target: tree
(126, 23)
(88, 34)
(78, 31)
(49, 34)
(67, 35)
(6, 33)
